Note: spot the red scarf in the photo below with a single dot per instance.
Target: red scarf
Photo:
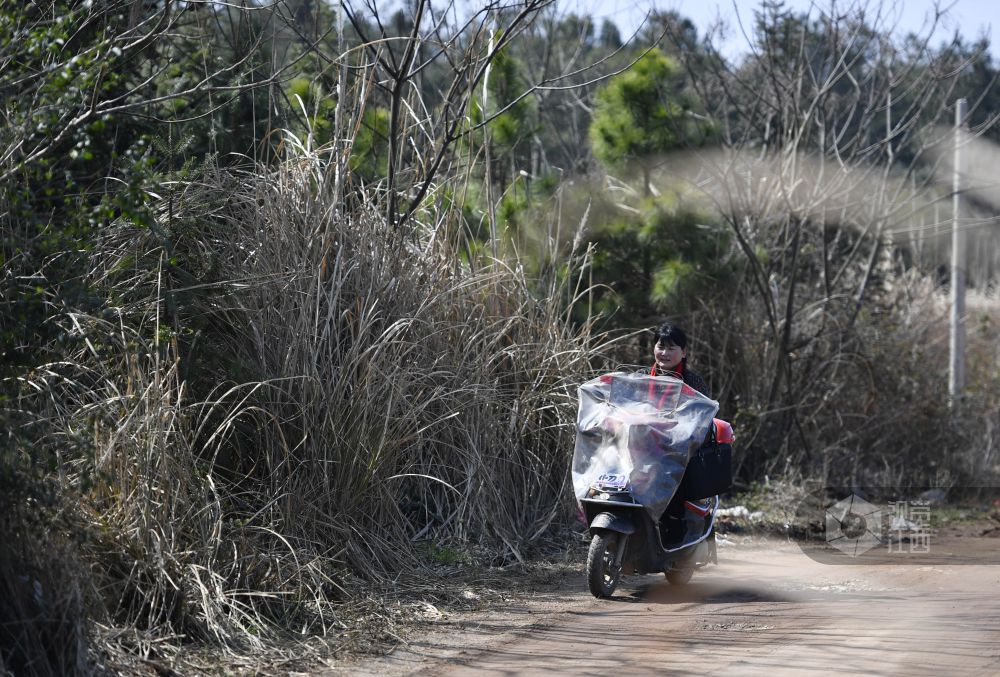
(679, 372)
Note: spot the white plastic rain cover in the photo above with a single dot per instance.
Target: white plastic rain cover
(638, 431)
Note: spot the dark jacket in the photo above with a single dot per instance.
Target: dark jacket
(694, 379)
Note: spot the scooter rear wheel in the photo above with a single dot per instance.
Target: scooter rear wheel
(603, 572)
(679, 576)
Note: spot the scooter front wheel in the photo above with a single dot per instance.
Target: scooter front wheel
(603, 569)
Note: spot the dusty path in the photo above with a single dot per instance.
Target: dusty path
(764, 610)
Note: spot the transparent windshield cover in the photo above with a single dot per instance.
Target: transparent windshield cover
(638, 431)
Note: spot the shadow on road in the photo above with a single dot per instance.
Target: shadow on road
(702, 592)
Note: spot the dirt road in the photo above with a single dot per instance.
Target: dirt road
(766, 609)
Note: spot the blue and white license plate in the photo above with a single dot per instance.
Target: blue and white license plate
(613, 480)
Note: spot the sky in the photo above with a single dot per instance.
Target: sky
(971, 18)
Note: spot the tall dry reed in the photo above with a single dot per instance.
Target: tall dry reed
(286, 396)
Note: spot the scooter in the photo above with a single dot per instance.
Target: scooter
(649, 500)
(625, 540)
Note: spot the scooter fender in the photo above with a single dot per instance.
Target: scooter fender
(610, 522)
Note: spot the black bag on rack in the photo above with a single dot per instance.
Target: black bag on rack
(709, 472)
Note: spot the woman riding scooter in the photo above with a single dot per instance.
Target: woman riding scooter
(670, 355)
(639, 438)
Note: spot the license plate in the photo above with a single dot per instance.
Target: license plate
(613, 480)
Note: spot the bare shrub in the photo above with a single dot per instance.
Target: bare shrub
(832, 135)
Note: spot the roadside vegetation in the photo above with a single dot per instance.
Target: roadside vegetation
(296, 298)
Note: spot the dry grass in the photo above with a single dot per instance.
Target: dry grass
(283, 399)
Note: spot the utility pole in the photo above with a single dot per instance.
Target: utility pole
(956, 343)
(488, 142)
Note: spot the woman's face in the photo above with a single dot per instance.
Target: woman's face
(667, 355)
